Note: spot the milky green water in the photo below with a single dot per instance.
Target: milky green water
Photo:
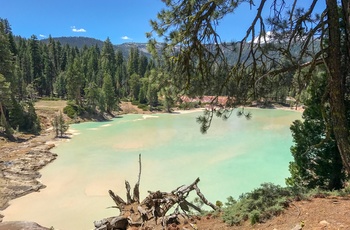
(235, 156)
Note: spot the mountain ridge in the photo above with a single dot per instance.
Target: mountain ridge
(81, 41)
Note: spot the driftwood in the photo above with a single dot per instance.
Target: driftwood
(154, 207)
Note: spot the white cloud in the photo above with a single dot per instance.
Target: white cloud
(81, 30)
(126, 38)
(42, 36)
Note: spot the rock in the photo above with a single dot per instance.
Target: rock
(297, 227)
(21, 225)
(19, 176)
(324, 223)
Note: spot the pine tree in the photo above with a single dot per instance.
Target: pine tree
(59, 125)
(36, 65)
(194, 48)
(5, 100)
(317, 162)
(109, 95)
(74, 80)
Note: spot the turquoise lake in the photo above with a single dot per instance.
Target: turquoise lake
(235, 156)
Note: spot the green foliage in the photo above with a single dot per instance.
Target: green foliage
(110, 98)
(31, 120)
(219, 204)
(72, 110)
(257, 206)
(143, 107)
(59, 125)
(254, 217)
(74, 79)
(50, 99)
(317, 162)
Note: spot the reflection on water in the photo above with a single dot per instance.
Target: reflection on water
(234, 157)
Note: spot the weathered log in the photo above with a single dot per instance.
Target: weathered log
(128, 195)
(136, 196)
(117, 200)
(119, 222)
(155, 206)
(204, 199)
(101, 224)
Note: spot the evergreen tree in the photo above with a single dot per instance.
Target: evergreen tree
(60, 85)
(92, 95)
(36, 65)
(194, 48)
(6, 57)
(109, 95)
(317, 162)
(108, 60)
(59, 125)
(5, 101)
(153, 89)
(135, 85)
(133, 61)
(74, 80)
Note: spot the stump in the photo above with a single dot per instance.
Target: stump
(135, 214)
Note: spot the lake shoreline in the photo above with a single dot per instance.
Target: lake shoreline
(21, 163)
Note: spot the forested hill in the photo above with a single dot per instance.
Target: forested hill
(80, 42)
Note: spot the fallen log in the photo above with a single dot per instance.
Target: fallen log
(156, 205)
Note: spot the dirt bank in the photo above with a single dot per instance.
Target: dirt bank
(21, 161)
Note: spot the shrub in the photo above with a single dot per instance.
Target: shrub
(143, 107)
(135, 102)
(254, 217)
(257, 206)
(50, 99)
(72, 110)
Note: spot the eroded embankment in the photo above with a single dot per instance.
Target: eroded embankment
(19, 165)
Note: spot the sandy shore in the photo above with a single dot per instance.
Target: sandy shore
(20, 163)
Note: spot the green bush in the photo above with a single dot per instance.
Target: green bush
(254, 217)
(257, 206)
(72, 110)
(143, 107)
(50, 99)
(135, 103)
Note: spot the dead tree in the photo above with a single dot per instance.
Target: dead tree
(154, 207)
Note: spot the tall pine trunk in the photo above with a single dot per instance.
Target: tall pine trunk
(336, 86)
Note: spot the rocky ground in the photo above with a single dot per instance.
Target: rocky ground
(20, 162)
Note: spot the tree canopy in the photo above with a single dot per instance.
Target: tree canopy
(264, 59)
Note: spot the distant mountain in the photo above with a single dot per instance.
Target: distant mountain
(80, 42)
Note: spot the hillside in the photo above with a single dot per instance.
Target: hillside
(227, 48)
(80, 42)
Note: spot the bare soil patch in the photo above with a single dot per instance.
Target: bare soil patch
(316, 213)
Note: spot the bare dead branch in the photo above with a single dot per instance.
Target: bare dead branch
(155, 206)
(117, 200)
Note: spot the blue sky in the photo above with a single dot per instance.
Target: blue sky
(120, 20)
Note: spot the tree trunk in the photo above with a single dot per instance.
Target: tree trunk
(336, 87)
(5, 124)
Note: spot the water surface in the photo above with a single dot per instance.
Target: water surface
(235, 156)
